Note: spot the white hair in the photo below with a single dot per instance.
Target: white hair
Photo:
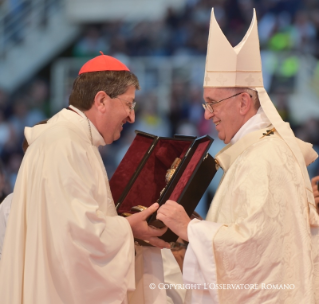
(253, 93)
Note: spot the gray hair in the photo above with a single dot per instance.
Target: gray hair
(253, 93)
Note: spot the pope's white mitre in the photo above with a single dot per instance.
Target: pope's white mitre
(241, 67)
(228, 66)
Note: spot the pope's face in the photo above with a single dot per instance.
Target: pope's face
(226, 113)
(117, 114)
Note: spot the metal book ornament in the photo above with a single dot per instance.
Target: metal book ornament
(169, 174)
(171, 171)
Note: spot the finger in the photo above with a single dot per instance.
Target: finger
(162, 217)
(164, 210)
(172, 203)
(150, 210)
(165, 219)
(157, 232)
(155, 241)
(176, 207)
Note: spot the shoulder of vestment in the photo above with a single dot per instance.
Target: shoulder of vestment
(257, 142)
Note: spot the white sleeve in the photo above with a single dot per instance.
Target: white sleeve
(173, 276)
(199, 264)
(149, 275)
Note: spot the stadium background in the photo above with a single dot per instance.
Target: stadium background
(43, 44)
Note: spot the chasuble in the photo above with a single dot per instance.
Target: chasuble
(65, 242)
(257, 244)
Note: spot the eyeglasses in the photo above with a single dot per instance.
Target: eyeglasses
(209, 106)
(130, 104)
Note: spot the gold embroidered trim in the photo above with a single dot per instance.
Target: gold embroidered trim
(217, 165)
(268, 132)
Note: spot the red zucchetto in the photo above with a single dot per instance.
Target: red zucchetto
(103, 63)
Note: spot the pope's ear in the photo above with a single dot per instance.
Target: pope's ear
(100, 100)
(246, 103)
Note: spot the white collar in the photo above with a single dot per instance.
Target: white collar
(257, 122)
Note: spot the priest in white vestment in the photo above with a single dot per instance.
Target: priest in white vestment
(64, 241)
(259, 242)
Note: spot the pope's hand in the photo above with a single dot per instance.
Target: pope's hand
(315, 189)
(142, 231)
(174, 216)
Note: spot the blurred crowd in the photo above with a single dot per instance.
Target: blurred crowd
(17, 111)
(289, 26)
(16, 16)
(283, 25)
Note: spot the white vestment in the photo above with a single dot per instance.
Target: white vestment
(65, 242)
(257, 239)
(4, 213)
(158, 278)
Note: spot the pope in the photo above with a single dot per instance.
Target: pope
(262, 228)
